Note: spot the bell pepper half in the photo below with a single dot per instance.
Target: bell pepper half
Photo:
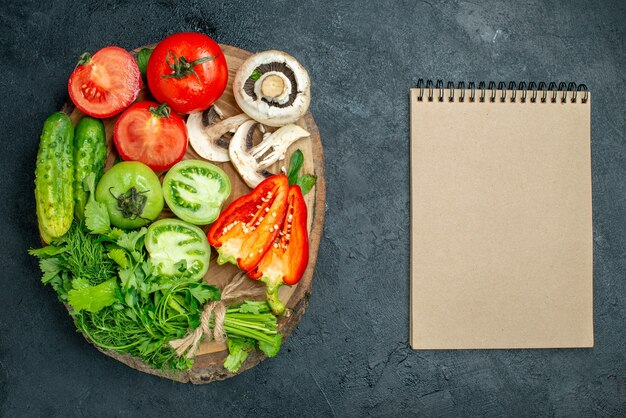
(244, 232)
(288, 255)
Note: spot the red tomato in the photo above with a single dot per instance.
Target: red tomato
(106, 83)
(187, 71)
(149, 133)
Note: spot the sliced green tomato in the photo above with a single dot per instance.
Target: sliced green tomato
(178, 248)
(195, 191)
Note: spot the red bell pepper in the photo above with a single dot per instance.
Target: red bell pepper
(244, 232)
(288, 255)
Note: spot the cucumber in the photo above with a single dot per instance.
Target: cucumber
(54, 174)
(90, 151)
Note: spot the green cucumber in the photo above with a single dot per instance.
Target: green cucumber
(178, 248)
(90, 152)
(54, 174)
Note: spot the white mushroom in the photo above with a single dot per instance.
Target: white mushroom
(209, 133)
(252, 161)
(273, 88)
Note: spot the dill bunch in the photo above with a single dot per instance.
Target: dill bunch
(86, 257)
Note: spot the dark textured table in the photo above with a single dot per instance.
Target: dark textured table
(349, 356)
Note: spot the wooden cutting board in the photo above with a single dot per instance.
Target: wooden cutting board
(208, 363)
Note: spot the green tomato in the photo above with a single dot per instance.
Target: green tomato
(132, 194)
(177, 248)
(195, 191)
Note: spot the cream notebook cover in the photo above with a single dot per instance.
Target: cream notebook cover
(501, 221)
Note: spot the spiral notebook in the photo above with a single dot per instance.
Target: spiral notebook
(501, 220)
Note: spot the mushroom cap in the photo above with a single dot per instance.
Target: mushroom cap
(252, 161)
(209, 133)
(257, 88)
(239, 152)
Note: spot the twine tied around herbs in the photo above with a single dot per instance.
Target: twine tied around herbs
(217, 309)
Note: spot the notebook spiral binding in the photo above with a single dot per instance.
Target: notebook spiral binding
(523, 88)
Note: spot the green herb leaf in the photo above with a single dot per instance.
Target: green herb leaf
(61, 284)
(131, 298)
(235, 359)
(119, 256)
(80, 283)
(147, 267)
(297, 159)
(142, 59)
(131, 240)
(50, 267)
(255, 75)
(47, 251)
(137, 256)
(128, 279)
(175, 304)
(238, 350)
(203, 292)
(96, 214)
(306, 183)
(271, 349)
(97, 217)
(254, 307)
(115, 234)
(93, 298)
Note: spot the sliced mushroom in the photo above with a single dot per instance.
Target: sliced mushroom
(209, 133)
(252, 161)
(273, 88)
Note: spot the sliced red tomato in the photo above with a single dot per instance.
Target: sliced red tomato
(287, 258)
(106, 83)
(150, 133)
(187, 71)
(249, 226)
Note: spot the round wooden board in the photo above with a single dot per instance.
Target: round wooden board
(208, 362)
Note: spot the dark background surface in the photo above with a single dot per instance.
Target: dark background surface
(349, 355)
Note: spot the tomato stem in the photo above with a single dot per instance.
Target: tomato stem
(84, 58)
(181, 67)
(161, 111)
(131, 203)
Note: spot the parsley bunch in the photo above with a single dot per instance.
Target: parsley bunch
(126, 308)
(116, 299)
